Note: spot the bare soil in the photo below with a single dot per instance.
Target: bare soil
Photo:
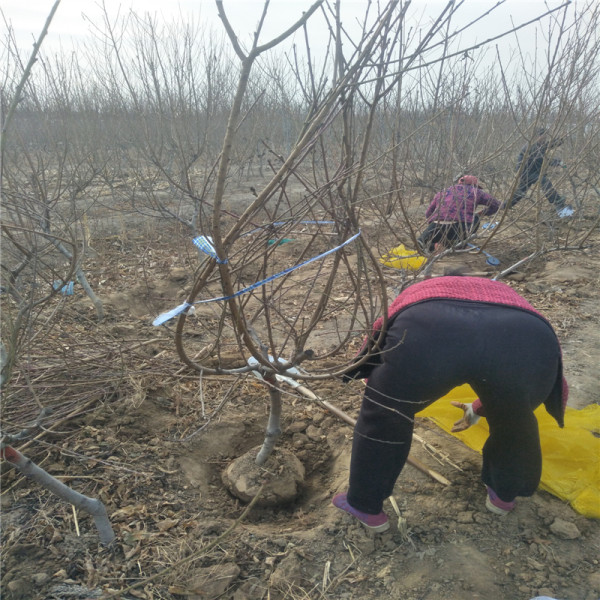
(168, 503)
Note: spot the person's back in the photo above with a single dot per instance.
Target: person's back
(452, 214)
(532, 154)
(456, 203)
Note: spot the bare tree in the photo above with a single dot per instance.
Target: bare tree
(29, 244)
(261, 321)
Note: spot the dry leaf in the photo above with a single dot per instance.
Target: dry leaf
(132, 552)
(127, 511)
(167, 524)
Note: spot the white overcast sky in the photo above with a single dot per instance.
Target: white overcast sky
(27, 17)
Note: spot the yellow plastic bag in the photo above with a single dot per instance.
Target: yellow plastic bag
(571, 456)
(403, 258)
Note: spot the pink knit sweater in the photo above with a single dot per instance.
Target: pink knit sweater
(474, 289)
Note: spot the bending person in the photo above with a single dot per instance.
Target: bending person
(453, 214)
(442, 333)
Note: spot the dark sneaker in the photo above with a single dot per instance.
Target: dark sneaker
(376, 523)
(497, 506)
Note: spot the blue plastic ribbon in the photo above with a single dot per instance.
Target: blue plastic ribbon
(182, 307)
(204, 243)
(172, 313)
(65, 290)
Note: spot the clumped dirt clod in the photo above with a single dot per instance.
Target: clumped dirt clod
(281, 478)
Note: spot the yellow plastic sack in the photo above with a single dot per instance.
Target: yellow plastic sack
(571, 456)
(403, 258)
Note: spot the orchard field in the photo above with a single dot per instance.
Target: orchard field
(114, 159)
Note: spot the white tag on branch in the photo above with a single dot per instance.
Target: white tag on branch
(281, 378)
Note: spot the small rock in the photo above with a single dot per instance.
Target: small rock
(465, 516)
(178, 274)
(123, 331)
(318, 417)
(212, 527)
(40, 578)
(313, 433)
(249, 590)
(564, 274)
(328, 423)
(535, 288)
(594, 581)
(360, 538)
(297, 427)
(299, 439)
(565, 529)
(211, 582)
(288, 573)
(20, 589)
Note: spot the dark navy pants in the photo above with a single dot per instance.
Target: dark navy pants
(448, 234)
(527, 180)
(510, 358)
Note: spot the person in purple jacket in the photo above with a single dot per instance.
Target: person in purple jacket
(453, 214)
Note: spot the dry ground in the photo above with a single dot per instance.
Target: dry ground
(120, 414)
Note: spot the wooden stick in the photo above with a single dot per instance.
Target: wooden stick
(348, 419)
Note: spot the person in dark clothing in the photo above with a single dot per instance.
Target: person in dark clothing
(453, 214)
(531, 165)
(441, 333)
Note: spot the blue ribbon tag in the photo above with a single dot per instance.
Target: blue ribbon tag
(182, 307)
(169, 315)
(204, 243)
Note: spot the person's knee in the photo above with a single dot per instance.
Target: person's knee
(381, 423)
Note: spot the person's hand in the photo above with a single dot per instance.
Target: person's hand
(469, 417)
